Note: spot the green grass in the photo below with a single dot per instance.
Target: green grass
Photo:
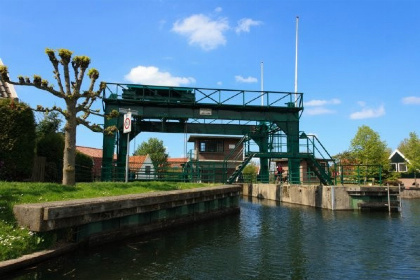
(16, 241)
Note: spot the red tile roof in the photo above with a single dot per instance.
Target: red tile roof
(92, 152)
(174, 160)
(136, 159)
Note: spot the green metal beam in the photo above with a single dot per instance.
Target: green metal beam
(208, 111)
(197, 128)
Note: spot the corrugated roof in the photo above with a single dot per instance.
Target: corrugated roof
(7, 90)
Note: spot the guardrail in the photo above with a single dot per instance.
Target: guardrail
(204, 95)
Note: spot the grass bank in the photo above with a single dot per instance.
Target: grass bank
(16, 241)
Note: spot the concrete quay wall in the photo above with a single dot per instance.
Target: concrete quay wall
(327, 197)
(410, 193)
(99, 220)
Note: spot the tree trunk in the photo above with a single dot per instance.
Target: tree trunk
(69, 159)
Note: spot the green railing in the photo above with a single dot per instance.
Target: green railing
(189, 95)
(358, 174)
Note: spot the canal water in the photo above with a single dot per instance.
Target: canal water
(267, 240)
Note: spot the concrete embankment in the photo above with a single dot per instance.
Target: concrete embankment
(411, 193)
(327, 197)
(106, 219)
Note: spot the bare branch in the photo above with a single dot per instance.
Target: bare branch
(42, 85)
(93, 75)
(93, 127)
(65, 60)
(54, 61)
(40, 108)
(82, 63)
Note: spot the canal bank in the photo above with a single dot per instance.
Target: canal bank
(350, 197)
(267, 240)
(87, 222)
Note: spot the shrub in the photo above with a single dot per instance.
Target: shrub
(84, 168)
(17, 140)
(51, 147)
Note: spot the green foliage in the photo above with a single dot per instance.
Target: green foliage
(15, 242)
(345, 158)
(410, 147)
(93, 73)
(156, 150)
(51, 147)
(17, 140)
(250, 172)
(84, 168)
(368, 149)
(50, 124)
(50, 144)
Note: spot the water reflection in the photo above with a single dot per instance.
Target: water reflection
(267, 240)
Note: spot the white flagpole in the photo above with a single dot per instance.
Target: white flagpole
(296, 60)
(262, 83)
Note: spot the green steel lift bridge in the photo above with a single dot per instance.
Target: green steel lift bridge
(262, 117)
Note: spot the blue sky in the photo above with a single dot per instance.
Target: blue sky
(358, 63)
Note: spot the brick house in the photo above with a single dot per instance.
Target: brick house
(96, 155)
(216, 156)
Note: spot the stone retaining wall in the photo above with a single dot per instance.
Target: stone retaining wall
(104, 219)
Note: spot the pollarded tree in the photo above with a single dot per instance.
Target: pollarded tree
(78, 102)
(410, 147)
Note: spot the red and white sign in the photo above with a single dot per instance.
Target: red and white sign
(127, 122)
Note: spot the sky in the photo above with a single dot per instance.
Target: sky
(358, 61)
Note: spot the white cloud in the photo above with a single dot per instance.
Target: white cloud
(317, 102)
(250, 79)
(367, 113)
(219, 83)
(202, 31)
(218, 9)
(245, 24)
(150, 75)
(411, 100)
(318, 111)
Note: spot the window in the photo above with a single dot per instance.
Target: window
(398, 167)
(231, 146)
(402, 167)
(147, 170)
(393, 167)
(211, 146)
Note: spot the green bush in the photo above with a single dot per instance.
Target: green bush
(84, 168)
(250, 172)
(51, 147)
(17, 140)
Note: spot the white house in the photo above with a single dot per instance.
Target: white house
(142, 167)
